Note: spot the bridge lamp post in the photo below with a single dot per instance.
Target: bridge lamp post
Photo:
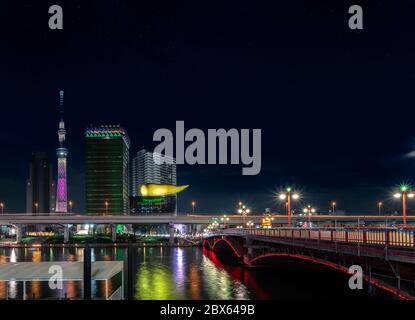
(106, 203)
(36, 206)
(70, 206)
(288, 194)
(193, 206)
(404, 192)
(224, 220)
(380, 204)
(309, 210)
(333, 206)
(2, 207)
(250, 224)
(244, 211)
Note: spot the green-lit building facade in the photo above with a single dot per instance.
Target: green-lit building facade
(107, 172)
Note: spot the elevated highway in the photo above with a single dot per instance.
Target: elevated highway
(234, 219)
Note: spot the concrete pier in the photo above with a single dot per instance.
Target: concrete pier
(114, 232)
(87, 272)
(19, 233)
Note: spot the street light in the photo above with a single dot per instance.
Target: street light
(249, 224)
(2, 207)
(287, 195)
(70, 206)
(380, 204)
(404, 191)
(244, 211)
(193, 206)
(214, 224)
(224, 220)
(333, 206)
(309, 210)
(36, 206)
(106, 207)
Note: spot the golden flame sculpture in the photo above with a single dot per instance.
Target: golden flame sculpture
(160, 190)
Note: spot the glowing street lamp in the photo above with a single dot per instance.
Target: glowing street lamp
(309, 210)
(250, 224)
(106, 206)
(193, 206)
(2, 207)
(36, 206)
(214, 224)
(244, 210)
(404, 192)
(224, 220)
(380, 204)
(70, 206)
(287, 196)
(333, 206)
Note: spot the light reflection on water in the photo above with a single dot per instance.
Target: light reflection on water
(177, 273)
(160, 273)
(183, 273)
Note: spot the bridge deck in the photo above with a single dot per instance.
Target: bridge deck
(388, 244)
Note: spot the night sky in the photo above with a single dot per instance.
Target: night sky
(336, 106)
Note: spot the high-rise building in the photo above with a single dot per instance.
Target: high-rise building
(40, 187)
(62, 153)
(146, 170)
(107, 167)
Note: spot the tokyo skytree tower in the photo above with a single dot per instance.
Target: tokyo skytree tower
(61, 152)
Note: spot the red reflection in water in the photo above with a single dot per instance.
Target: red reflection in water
(237, 273)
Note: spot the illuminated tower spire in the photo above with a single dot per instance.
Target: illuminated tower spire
(61, 152)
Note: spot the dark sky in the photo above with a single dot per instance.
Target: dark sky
(336, 106)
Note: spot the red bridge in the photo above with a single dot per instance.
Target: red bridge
(386, 256)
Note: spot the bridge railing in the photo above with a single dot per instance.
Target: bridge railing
(384, 237)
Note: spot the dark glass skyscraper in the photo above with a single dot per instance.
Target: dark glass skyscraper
(40, 188)
(107, 160)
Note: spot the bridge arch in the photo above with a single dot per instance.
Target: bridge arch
(237, 251)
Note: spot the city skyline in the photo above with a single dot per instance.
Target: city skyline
(387, 203)
(336, 122)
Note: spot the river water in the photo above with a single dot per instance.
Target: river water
(186, 273)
